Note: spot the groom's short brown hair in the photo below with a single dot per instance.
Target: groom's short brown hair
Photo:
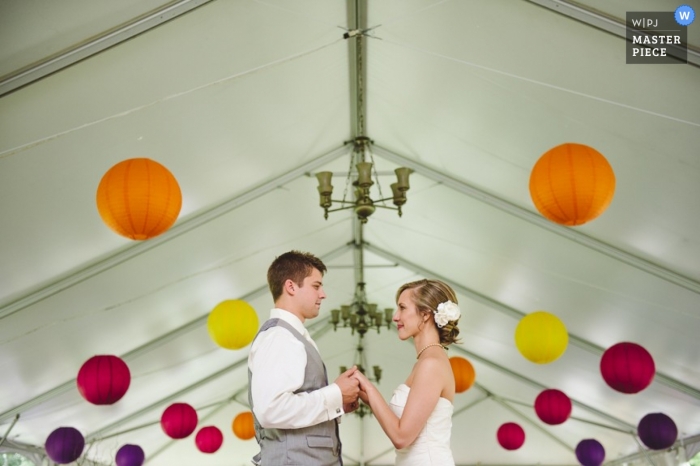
(294, 266)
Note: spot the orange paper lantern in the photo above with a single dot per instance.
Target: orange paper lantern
(572, 184)
(243, 426)
(139, 198)
(464, 373)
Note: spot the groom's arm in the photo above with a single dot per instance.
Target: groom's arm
(278, 363)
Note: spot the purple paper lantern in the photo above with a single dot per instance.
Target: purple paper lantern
(590, 452)
(130, 455)
(657, 431)
(64, 445)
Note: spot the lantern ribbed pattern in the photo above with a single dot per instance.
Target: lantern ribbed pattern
(511, 436)
(552, 406)
(243, 426)
(627, 367)
(209, 439)
(130, 455)
(541, 337)
(179, 420)
(232, 324)
(64, 445)
(572, 184)
(463, 372)
(139, 198)
(590, 452)
(657, 431)
(103, 379)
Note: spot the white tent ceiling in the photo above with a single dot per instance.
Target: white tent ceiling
(243, 100)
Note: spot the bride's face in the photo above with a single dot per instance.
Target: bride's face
(408, 319)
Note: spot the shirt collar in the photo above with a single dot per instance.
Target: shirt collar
(288, 317)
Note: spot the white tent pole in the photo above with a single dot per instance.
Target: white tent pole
(106, 40)
(536, 219)
(181, 227)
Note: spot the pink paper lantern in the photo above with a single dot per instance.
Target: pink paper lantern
(627, 367)
(511, 436)
(179, 420)
(552, 406)
(103, 379)
(209, 439)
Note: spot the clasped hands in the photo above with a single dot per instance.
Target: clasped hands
(353, 385)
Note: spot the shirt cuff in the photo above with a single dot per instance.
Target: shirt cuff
(332, 401)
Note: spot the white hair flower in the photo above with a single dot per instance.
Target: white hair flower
(446, 312)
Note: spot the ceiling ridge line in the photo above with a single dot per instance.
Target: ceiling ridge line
(493, 304)
(149, 346)
(536, 219)
(184, 226)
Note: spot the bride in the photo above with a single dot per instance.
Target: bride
(418, 419)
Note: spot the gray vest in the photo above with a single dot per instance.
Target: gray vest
(317, 445)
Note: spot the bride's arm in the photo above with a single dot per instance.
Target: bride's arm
(422, 399)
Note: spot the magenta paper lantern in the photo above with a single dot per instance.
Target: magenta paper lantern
(130, 455)
(209, 439)
(103, 379)
(179, 420)
(590, 452)
(511, 436)
(627, 367)
(657, 431)
(64, 445)
(552, 406)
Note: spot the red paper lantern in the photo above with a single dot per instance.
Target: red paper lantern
(139, 198)
(463, 372)
(103, 379)
(572, 184)
(627, 367)
(552, 406)
(209, 439)
(179, 420)
(511, 436)
(243, 426)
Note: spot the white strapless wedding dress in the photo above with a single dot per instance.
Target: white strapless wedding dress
(432, 446)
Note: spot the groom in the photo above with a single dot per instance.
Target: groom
(295, 410)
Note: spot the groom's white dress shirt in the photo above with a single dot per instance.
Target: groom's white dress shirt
(277, 361)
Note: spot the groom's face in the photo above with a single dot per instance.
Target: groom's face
(310, 294)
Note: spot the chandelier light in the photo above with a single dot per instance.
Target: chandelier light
(363, 204)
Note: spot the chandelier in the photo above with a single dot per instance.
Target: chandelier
(363, 204)
(361, 316)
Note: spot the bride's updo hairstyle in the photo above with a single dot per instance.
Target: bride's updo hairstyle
(427, 296)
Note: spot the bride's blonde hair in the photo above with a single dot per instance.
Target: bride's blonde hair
(427, 294)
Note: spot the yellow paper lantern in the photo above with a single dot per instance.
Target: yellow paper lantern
(139, 198)
(572, 184)
(464, 373)
(541, 337)
(243, 426)
(232, 324)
